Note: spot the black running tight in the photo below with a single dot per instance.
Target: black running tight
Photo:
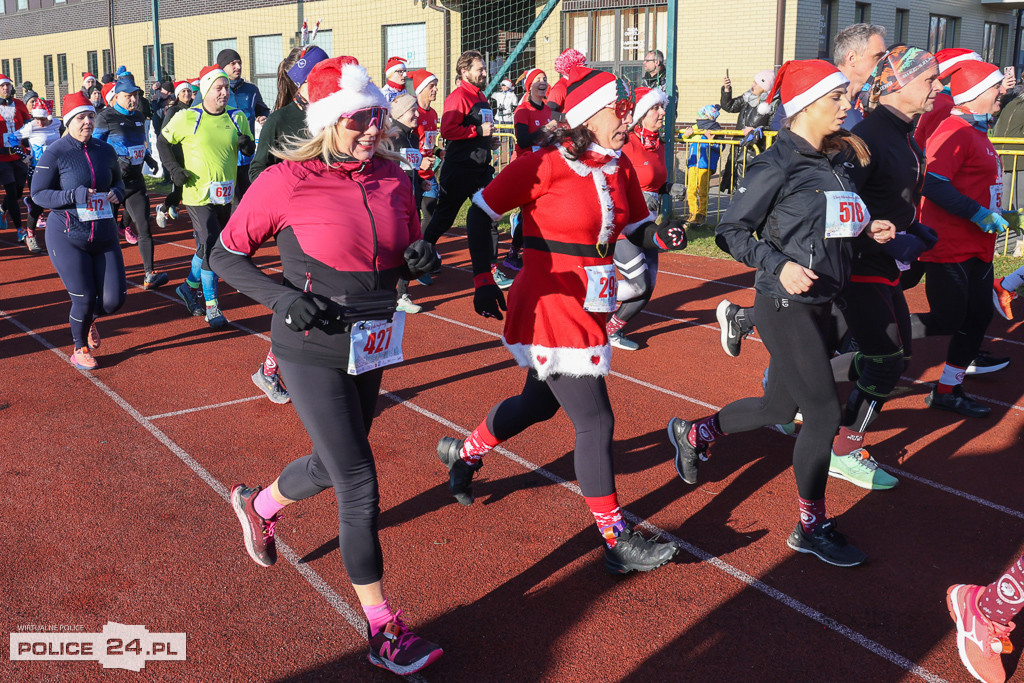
(960, 299)
(136, 205)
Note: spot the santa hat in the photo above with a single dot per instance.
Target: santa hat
(972, 78)
(108, 92)
(337, 87)
(587, 92)
(86, 76)
(568, 60)
(646, 99)
(529, 77)
(39, 111)
(74, 104)
(952, 56)
(181, 85)
(4, 79)
(802, 82)
(421, 78)
(207, 76)
(394, 63)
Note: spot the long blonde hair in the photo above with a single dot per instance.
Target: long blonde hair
(325, 146)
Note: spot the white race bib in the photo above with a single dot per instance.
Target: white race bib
(995, 197)
(601, 288)
(12, 140)
(429, 139)
(137, 154)
(486, 116)
(845, 214)
(222, 192)
(94, 208)
(413, 157)
(376, 344)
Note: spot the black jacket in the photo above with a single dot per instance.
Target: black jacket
(781, 200)
(288, 120)
(748, 115)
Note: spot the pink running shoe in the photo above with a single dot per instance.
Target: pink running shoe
(979, 639)
(129, 235)
(257, 533)
(83, 360)
(94, 337)
(401, 651)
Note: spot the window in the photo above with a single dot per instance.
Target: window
(408, 41)
(215, 46)
(618, 39)
(994, 46)
(92, 64)
(825, 33)
(48, 69)
(17, 68)
(166, 63)
(266, 52)
(62, 68)
(22, 4)
(862, 13)
(108, 63)
(942, 32)
(5, 68)
(902, 25)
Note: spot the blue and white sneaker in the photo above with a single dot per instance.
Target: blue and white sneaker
(500, 279)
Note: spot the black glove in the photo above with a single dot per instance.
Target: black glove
(305, 312)
(246, 145)
(904, 248)
(925, 234)
(489, 301)
(179, 176)
(421, 257)
(672, 235)
(151, 162)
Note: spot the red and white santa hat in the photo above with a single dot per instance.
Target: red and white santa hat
(39, 110)
(972, 78)
(951, 57)
(646, 99)
(588, 91)
(208, 76)
(86, 76)
(570, 58)
(529, 77)
(181, 85)
(74, 104)
(107, 91)
(337, 87)
(421, 78)
(800, 83)
(394, 63)
(4, 79)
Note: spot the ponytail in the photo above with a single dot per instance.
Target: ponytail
(845, 141)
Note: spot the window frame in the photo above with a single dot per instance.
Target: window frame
(48, 70)
(92, 63)
(213, 54)
(62, 68)
(902, 25)
(828, 18)
(862, 13)
(995, 54)
(950, 31)
(617, 65)
(17, 70)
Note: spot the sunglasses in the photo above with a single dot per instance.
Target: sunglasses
(364, 118)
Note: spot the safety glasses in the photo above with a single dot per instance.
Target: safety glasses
(364, 118)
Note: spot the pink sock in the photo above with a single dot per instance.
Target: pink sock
(265, 505)
(614, 324)
(478, 443)
(378, 615)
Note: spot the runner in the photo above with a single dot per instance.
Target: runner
(984, 620)
(169, 207)
(394, 78)
(405, 117)
(424, 85)
(246, 97)
(947, 59)
(638, 267)
(963, 201)
(791, 197)
(88, 82)
(13, 172)
(352, 263)
(123, 128)
(558, 306)
(42, 131)
(208, 138)
(81, 177)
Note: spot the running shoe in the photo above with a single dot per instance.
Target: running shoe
(1002, 299)
(406, 305)
(502, 280)
(82, 359)
(514, 261)
(460, 475)
(979, 639)
(22, 234)
(397, 649)
(425, 280)
(41, 223)
(129, 235)
(860, 469)
(985, 363)
(621, 341)
(154, 280)
(271, 386)
(94, 337)
(33, 245)
(214, 318)
(688, 458)
(958, 402)
(633, 552)
(827, 544)
(190, 297)
(732, 331)
(172, 212)
(161, 217)
(258, 533)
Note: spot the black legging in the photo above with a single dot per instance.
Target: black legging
(639, 270)
(457, 184)
(960, 299)
(585, 401)
(337, 409)
(799, 376)
(13, 175)
(93, 274)
(242, 184)
(208, 221)
(136, 205)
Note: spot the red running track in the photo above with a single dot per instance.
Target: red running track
(116, 480)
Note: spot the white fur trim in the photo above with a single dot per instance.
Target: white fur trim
(945, 65)
(993, 78)
(592, 104)
(764, 107)
(355, 91)
(816, 91)
(479, 200)
(182, 86)
(206, 82)
(604, 196)
(582, 170)
(5, 80)
(395, 67)
(631, 228)
(76, 111)
(655, 97)
(562, 360)
(426, 81)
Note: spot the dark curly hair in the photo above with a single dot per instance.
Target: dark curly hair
(576, 140)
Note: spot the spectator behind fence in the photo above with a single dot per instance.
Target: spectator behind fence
(755, 111)
(654, 70)
(701, 162)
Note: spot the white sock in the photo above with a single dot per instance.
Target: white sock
(952, 375)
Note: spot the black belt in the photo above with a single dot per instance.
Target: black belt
(567, 248)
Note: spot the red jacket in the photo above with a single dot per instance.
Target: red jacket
(930, 120)
(426, 128)
(465, 110)
(13, 116)
(649, 165)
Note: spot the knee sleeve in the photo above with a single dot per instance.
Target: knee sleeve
(878, 375)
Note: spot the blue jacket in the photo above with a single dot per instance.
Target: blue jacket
(63, 177)
(247, 97)
(124, 132)
(704, 155)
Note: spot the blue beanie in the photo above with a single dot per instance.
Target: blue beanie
(299, 71)
(125, 84)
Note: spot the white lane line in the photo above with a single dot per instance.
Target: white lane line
(702, 555)
(209, 407)
(710, 406)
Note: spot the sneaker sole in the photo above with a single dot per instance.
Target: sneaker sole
(624, 347)
(81, 367)
(939, 406)
(975, 370)
(675, 445)
(839, 474)
(723, 324)
(953, 605)
(620, 569)
(409, 668)
(238, 505)
(809, 551)
(269, 391)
